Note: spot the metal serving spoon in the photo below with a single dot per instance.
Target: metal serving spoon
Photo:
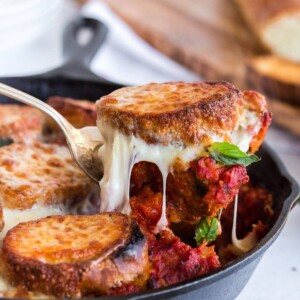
(83, 143)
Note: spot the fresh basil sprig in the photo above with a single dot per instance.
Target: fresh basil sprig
(5, 141)
(230, 154)
(206, 230)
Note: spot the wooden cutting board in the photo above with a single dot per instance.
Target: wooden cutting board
(207, 36)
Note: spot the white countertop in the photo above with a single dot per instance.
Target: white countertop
(127, 59)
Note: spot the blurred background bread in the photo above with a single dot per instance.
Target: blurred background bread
(276, 23)
(276, 71)
(278, 77)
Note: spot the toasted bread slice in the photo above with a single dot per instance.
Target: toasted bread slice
(276, 77)
(277, 24)
(79, 113)
(20, 123)
(178, 113)
(82, 255)
(40, 174)
(162, 113)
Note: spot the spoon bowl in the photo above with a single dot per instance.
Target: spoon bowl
(83, 143)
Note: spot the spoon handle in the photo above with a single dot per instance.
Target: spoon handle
(83, 147)
(10, 92)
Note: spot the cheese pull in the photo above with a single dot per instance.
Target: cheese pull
(75, 256)
(167, 124)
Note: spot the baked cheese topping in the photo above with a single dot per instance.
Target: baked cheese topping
(174, 113)
(161, 97)
(20, 123)
(48, 168)
(13, 217)
(120, 152)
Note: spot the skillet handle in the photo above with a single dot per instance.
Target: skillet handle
(77, 56)
(82, 54)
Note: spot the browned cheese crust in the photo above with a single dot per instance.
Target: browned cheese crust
(175, 113)
(40, 173)
(20, 123)
(81, 255)
(79, 113)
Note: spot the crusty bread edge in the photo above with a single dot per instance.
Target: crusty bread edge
(216, 114)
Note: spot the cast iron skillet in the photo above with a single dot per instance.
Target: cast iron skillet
(74, 79)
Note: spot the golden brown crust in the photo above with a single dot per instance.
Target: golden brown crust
(79, 113)
(276, 77)
(20, 123)
(40, 174)
(70, 239)
(276, 67)
(174, 112)
(82, 255)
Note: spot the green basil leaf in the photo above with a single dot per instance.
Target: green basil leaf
(234, 161)
(206, 230)
(5, 141)
(213, 230)
(230, 154)
(227, 149)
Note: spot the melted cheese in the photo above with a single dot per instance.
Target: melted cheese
(247, 127)
(245, 244)
(120, 152)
